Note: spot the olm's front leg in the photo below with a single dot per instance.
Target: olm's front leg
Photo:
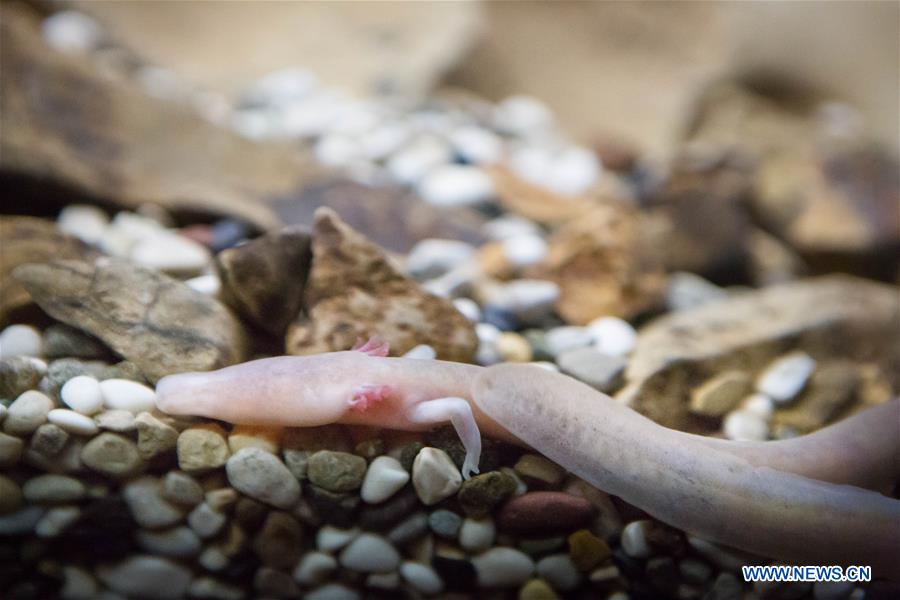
(458, 412)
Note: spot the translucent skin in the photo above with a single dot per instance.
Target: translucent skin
(714, 489)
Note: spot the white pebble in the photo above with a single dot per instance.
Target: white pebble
(284, 86)
(743, 425)
(422, 577)
(567, 337)
(370, 553)
(142, 576)
(559, 571)
(330, 538)
(253, 124)
(612, 336)
(205, 284)
(477, 145)
(72, 421)
(124, 394)
(456, 185)
(27, 413)
(71, 32)
(432, 257)
(476, 535)
(78, 584)
(421, 352)
(469, 308)
(785, 377)
(524, 250)
(384, 140)
(634, 539)
(314, 568)
(56, 520)
(20, 340)
(385, 477)
(530, 300)
(502, 567)
(434, 476)
(82, 394)
(574, 171)
(509, 226)
(88, 223)
(413, 162)
(169, 251)
(522, 115)
(760, 405)
(337, 150)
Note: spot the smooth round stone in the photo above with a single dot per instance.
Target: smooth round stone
(720, 394)
(456, 185)
(476, 535)
(384, 478)
(370, 553)
(410, 529)
(205, 284)
(544, 513)
(445, 523)
(83, 221)
(262, 476)
(421, 352)
(565, 338)
(383, 581)
(120, 421)
(203, 448)
(146, 576)
(502, 567)
(167, 251)
(524, 250)
(283, 86)
(477, 145)
(332, 591)
(469, 309)
(594, 368)
(522, 115)
(784, 378)
(537, 589)
(111, 454)
(78, 584)
(338, 150)
(421, 577)
(612, 335)
(20, 340)
(56, 520)
(513, 347)
(178, 542)
(124, 394)
(207, 587)
(314, 568)
(10, 495)
(572, 172)
(27, 413)
(760, 405)
(82, 394)
(743, 425)
(559, 571)
(687, 290)
(509, 226)
(433, 257)
(147, 505)
(53, 488)
(538, 470)
(205, 521)
(71, 32)
(330, 538)
(434, 476)
(414, 161)
(336, 471)
(634, 539)
(21, 521)
(213, 559)
(73, 422)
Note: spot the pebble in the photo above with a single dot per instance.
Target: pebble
(644, 538)
(612, 336)
(332, 591)
(469, 308)
(567, 337)
(718, 395)
(383, 581)
(147, 504)
(432, 257)
(279, 543)
(522, 115)
(111, 454)
(784, 378)
(124, 394)
(384, 478)
(20, 374)
(694, 571)
(82, 394)
(456, 185)
(314, 568)
(537, 470)
(72, 422)
(53, 488)
(587, 550)
(64, 341)
(434, 476)
(207, 587)
(250, 436)
(537, 589)
(202, 448)
(20, 340)
(594, 368)
(205, 284)
(480, 494)
(524, 250)
(48, 440)
(86, 222)
(744, 425)
(146, 576)
(476, 535)
(725, 587)
(221, 499)
(10, 495)
(56, 520)
(544, 513)
(27, 413)
(760, 405)
(120, 421)
(445, 523)
(413, 162)
(336, 471)
(330, 538)
(477, 145)
(686, 290)
(154, 436)
(178, 542)
(21, 521)
(513, 347)
(502, 567)
(262, 476)
(169, 252)
(421, 577)
(370, 553)
(272, 583)
(78, 584)
(206, 521)
(529, 300)
(412, 528)
(559, 571)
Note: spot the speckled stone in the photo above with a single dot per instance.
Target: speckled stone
(154, 436)
(202, 448)
(480, 494)
(112, 454)
(336, 471)
(587, 550)
(18, 374)
(48, 439)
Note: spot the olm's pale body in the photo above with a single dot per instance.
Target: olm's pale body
(790, 500)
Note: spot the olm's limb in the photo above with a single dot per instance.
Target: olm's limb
(458, 412)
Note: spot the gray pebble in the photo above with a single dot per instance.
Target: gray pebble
(598, 370)
(63, 341)
(48, 439)
(147, 505)
(53, 488)
(336, 471)
(181, 488)
(445, 523)
(262, 476)
(178, 542)
(145, 576)
(112, 454)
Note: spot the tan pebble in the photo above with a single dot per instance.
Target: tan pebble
(537, 469)
(201, 448)
(250, 436)
(537, 589)
(513, 347)
(112, 454)
(720, 394)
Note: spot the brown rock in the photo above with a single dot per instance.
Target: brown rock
(156, 322)
(544, 513)
(27, 240)
(263, 280)
(354, 291)
(280, 542)
(827, 317)
(602, 265)
(534, 202)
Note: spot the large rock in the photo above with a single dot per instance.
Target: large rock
(603, 265)
(827, 317)
(354, 291)
(66, 128)
(156, 322)
(28, 240)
